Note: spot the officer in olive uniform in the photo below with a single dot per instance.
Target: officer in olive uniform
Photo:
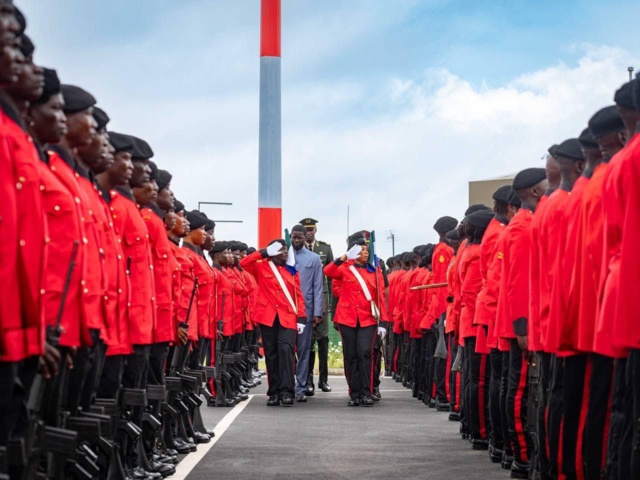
(321, 330)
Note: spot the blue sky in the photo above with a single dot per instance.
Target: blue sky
(428, 94)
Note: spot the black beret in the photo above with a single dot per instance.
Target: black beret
(444, 224)
(76, 99)
(196, 219)
(529, 177)
(480, 219)
(210, 225)
(586, 139)
(220, 247)
(234, 245)
(570, 149)
(408, 257)
(51, 86)
(154, 171)
(552, 150)
(355, 236)
(502, 194)
(101, 118)
(121, 142)
(309, 222)
(178, 206)
(22, 21)
(244, 247)
(636, 93)
(357, 241)
(471, 209)
(624, 96)
(419, 248)
(26, 46)
(298, 228)
(514, 200)
(251, 250)
(453, 234)
(389, 261)
(606, 121)
(163, 178)
(141, 149)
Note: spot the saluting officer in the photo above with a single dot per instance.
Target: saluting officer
(321, 328)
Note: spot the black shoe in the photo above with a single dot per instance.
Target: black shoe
(519, 470)
(420, 395)
(507, 461)
(454, 417)
(465, 436)
(287, 401)
(301, 398)
(181, 445)
(162, 468)
(479, 444)
(354, 402)
(273, 401)
(311, 390)
(495, 454)
(443, 407)
(375, 396)
(393, 376)
(202, 437)
(398, 379)
(366, 401)
(324, 387)
(432, 403)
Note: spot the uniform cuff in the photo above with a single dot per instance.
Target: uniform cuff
(338, 262)
(264, 253)
(520, 327)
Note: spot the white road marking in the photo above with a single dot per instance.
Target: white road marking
(185, 467)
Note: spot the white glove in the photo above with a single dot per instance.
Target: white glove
(353, 252)
(382, 332)
(301, 327)
(274, 249)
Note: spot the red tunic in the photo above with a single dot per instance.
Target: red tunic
(487, 298)
(240, 298)
(132, 230)
(442, 255)
(272, 301)
(392, 298)
(563, 313)
(452, 279)
(400, 311)
(457, 306)
(66, 225)
(225, 301)
(205, 277)
(418, 301)
(513, 300)
(471, 285)
(353, 308)
(252, 286)
(396, 312)
(494, 276)
(615, 333)
(187, 309)
(176, 282)
(163, 274)
(628, 305)
(33, 235)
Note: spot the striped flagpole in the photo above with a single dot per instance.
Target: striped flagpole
(270, 149)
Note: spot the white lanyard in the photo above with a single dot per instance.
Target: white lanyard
(283, 286)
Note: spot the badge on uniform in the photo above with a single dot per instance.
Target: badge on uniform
(441, 259)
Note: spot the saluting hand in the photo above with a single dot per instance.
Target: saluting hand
(274, 249)
(353, 252)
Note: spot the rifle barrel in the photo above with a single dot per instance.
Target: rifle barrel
(429, 287)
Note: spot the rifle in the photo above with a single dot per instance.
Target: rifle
(44, 435)
(430, 286)
(181, 353)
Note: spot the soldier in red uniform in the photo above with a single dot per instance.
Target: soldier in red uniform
(280, 311)
(513, 312)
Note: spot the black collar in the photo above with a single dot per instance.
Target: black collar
(64, 154)
(192, 247)
(502, 219)
(125, 193)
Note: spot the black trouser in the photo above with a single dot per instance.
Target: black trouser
(111, 378)
(323, 360)
(358, 343)
(278, 343)
(9, 404)
(618, 464)
(83, 364)
(196, 358)
(541, 455)
(497, 436)
(157, 358)
(93, 377)
(454, 377)
(377, 361)
(430, 343)
(479, 379)
(414, 361)
(594, 439)
(422, 365)
(465, 390)
(554, 415)
(504, 387)
(633, 384)
(135, 371)
(575, 368)
(440, 373)
(516, 404)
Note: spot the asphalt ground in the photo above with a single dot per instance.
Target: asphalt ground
(398, 438)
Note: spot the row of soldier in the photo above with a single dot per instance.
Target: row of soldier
(522, 323)
(112, 317)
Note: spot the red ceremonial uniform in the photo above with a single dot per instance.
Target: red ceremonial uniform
(353, 308)
(418, 301)
(240, 298)
(226, 301)
(32, 231)
(271, 300)
(205, 277)
(534, 276)
(615, 333)
(494, 276)
(164, 264)
(398, 309)
(458, 290)
(132, 230)
(442, 254)
(452, 280)
(487, 298)
(513, 300)
(186, 309)
(471, 284)
(66, 226)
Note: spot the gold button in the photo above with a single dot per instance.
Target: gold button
(53, 169)
(137, 239)
(42, 291)
(153, 299)
(119, 257)
(119, 290)
(128, 304)
(85, 241)
(86, 290)
(77, 200)
(82, 282)
(151, 267)
(47, 240)
(106, 297)
(19, 186)
(22, 243)
(101, 251)
(57, 208)
(164, 256)
(42, 188)
(22, 179)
